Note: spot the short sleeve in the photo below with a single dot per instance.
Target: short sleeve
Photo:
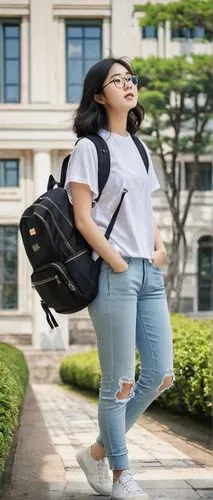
(153, 180)
(83, 166)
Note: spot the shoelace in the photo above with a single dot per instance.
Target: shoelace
(103, 473)
(130, 484)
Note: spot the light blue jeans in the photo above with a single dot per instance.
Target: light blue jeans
(130, 311)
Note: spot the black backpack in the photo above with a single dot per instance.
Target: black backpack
(64, 273)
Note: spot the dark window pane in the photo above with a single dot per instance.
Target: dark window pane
(92, 49)
(204, 178)
(88, 64)
(74, 32)
(10, 61)
(11, 93)
(9, 267)
(11, 48)
(83, 50)
(12, 31)
(92, 32)
(10, 296)
(198, 32)
(11, 72)
(205, 274)
(74, 93)
(149, 32)
(75, 71)
(182, 33)
(9, 173)
(2, 171)
(75, 49)
(11, 178)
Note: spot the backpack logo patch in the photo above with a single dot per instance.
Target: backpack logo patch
(36, 247)
(32, 231)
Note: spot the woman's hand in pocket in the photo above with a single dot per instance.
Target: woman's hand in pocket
(121, 266)
(160, 257)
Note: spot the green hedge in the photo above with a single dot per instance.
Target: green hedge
(191, 392)
(13, 383)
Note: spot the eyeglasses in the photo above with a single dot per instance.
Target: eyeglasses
(120, 81)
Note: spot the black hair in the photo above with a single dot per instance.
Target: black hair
(91, 116)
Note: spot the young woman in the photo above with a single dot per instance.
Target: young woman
(130, 309)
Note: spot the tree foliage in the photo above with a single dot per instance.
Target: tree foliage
(177, 96)
(183, 13)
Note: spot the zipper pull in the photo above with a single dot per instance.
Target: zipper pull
(71, 286)
(57, 279)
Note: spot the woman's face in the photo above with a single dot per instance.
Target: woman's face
(118, 93)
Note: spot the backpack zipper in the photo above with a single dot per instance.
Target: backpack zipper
(49, 199)
(59, 230)
(75, 256)
(47, 280)
(68, 281)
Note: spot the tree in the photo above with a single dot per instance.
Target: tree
(177, 96)
(181, 14)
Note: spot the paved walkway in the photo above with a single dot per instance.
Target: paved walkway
(45, 467)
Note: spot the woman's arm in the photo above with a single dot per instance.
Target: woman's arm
(160, 252)
(82, 207)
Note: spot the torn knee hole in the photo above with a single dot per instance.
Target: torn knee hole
(125, 390)
(167, 382)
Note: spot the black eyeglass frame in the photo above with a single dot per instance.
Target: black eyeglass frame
(131, 77)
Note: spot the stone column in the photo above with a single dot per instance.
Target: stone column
(106, 38)
(43, 337)
(40, 38)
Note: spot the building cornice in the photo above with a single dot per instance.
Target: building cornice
(14, 9)
(82, 10)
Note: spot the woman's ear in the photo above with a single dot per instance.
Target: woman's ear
(99, 98)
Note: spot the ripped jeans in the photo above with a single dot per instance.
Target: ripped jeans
(130, 311)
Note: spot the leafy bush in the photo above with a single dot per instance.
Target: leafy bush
(13, 383)
(191, 392)
(82, 370)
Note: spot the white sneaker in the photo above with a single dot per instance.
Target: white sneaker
(126, 488)
(96, 471)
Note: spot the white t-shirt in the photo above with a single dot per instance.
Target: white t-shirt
(133, 232)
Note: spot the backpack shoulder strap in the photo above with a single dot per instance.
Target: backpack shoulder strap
(103, 162)
(142, 151)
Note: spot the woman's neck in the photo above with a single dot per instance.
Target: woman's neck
(118, 124)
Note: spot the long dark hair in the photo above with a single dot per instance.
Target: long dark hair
(91, 116)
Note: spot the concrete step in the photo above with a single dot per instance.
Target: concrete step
(44, 365)
(19, 339)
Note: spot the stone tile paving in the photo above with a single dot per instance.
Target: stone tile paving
(161, 469)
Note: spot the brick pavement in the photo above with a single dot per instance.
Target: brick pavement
(163, 471)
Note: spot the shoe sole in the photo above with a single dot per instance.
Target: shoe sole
(84, 468)
(144, 497)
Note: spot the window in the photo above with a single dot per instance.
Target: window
(83, 49)
(9, 62)
(8, 267)
(204, 178)
(9, 173)
(149, 31)
(205, 273)
(184, 32)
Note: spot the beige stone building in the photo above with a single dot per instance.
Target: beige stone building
(46, 47)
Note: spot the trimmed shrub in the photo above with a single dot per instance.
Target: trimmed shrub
(82, 370)
(13, 383)
(191, 392)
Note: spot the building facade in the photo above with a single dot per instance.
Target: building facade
(46, 48)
